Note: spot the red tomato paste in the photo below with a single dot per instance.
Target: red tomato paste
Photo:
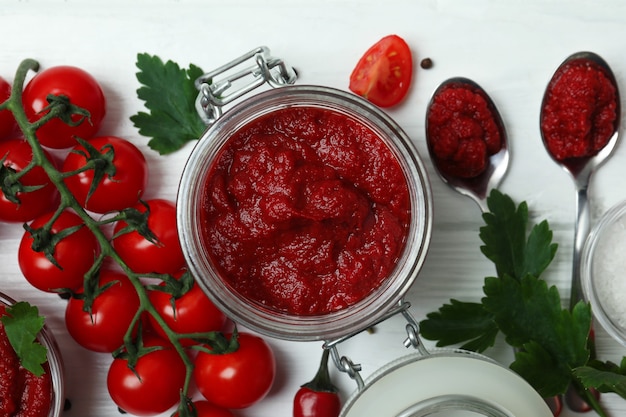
(463, 131)
(306, 211)
(21, 393)
(580, 111)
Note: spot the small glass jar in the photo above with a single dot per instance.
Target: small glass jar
(356, 317)
(55, 364)
(445, 383)
(602, 271)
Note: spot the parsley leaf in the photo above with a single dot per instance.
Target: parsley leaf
(22, 324)
(169, 94)
(553, 340)
(459, 322)
(504, 238)
(605, 377)
(550, 341)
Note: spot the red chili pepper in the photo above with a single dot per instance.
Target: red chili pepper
(319, 397)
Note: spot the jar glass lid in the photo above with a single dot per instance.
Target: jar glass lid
(446, 383)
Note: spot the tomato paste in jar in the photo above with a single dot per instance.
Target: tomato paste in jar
(21, 392)
(462, 130)
(305, 211)
(579, 111)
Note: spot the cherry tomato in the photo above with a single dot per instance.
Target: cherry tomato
(112, 313)
(18, 154)
(143, 256)
(114, 192)
(238, 379)
(83, 91)
(8, 126)
(383, 75)
(154, 386)
(74, 254)
(193, 312)
(206, 409)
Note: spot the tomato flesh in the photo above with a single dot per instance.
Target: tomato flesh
(383, 75)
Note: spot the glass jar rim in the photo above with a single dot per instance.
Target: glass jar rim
(319, 327)
(55, 363)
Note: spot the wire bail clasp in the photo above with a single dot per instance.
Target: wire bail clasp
(215, 93)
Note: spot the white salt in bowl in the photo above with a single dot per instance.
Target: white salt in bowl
(603, 271)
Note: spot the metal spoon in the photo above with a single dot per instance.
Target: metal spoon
(580, 170)
(477, 188)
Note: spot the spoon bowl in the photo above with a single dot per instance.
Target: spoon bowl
(478, 187)
(581, 168)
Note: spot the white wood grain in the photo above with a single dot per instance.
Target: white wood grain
(509, 47)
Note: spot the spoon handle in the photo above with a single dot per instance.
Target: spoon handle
(574, 399)
(581, 230)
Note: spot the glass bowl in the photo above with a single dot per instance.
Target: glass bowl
(55, 364)
(602, 271)
(360, 315)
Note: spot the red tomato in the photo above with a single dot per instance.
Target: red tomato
(193, 312)
(238, 379)
(206, 409)
(383, 75)
(18, 154)
(143, 256)
(111, 315)
(154, 386)
(114, 192)
(75, 254)
(83, 91)
(8, 127)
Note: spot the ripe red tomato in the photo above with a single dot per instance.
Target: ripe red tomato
(111, 315)
(116, 192)
(8, 126)
(383, 75)
(143, 256)
(154, 386)
(18, 154)
(83, 91)
(75, 254)
(238, 379)
(206, 409)
(193, 312)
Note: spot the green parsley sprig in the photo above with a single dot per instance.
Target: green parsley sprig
(22, 324)
(552, 344)
(169, 94)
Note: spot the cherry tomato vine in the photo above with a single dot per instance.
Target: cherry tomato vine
(130, 223)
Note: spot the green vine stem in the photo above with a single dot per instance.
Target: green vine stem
(29, 129)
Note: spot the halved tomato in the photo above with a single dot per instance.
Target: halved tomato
(383, 75)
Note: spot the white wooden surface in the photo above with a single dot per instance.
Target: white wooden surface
(509, 47)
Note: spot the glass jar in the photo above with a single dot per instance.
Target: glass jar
(55, 364)
(445, 383)
(602, 270)
(358, 316)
